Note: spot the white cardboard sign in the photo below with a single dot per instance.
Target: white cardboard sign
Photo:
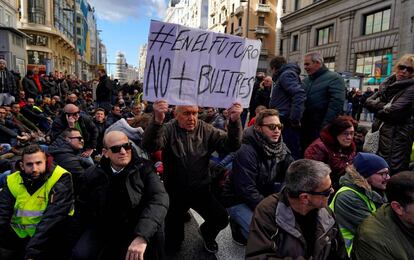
(188, 66)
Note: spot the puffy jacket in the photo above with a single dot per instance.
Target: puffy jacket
(325, 96)
(186, 155)
(288, 94)
(397, 132)
(327, 149)
(132, 201)
(274, 233)
(254, 175)
(382, 236)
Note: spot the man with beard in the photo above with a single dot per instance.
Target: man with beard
(8, 88)
(35, 205)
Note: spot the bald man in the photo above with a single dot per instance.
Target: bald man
(187, 144)
(122, 204)
(72, 118)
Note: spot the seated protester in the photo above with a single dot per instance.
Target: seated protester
(215, 119)
(75, 100)
(297, 223)
(114, 115)
(122, 190)
(21, 99)
(137, 110)
(335, 147)
(72, 118)
(66, 152)
(258, 170)
(35, 205)
(10, 132)
(100, 123)
(19, 119)
(257, 111)
(389, 232)
(361, 193)
(36, 115)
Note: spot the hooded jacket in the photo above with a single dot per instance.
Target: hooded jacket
(288, 95)
(254, 175)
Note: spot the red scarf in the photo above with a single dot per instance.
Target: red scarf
(37, 80)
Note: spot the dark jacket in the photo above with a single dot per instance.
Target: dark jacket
(9, 80)
(397, 132)
(275, 234)
(254, 175)
(186, 155)
(133, 201)
(65, 156)
(349, 208)
(88, 128)
(327, 149)
(30, 87)
(383, 236)
(104, 89)
(325, 96)
(101, 132)
(8, 130)
(56, 212)
(288, 94)
(262, 96)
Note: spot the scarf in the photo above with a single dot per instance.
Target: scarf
(270, 149)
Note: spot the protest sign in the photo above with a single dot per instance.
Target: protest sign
(188, 66)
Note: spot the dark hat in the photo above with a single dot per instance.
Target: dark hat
(367, 164)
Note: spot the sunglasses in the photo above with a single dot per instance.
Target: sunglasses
(273, 127)
(117, 148)
(408, 68)
(80, 138)
(325, 193)
(73, 114)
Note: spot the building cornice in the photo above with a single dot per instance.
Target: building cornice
(307, 9)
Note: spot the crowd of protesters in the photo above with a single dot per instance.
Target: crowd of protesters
(89, 170)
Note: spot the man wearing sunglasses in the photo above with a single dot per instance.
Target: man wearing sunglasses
(297, 223)
(187, 144)
(122, 204)
(72, 118)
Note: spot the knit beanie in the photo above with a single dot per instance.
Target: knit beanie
(367, 164)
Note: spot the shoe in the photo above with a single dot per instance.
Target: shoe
(236, 234)
(210, 246)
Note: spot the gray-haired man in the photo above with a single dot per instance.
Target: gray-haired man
(297, 223)
(8, 87)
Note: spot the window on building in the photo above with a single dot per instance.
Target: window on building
(261, 21)
(232, 28)
(329, 63)
(378, 21)
(375, 65)
(36, 57)
(232, 8)
(325, 35)
(281, 47)
(8, 19)
(36, 11)
(240, 22)
(295, 43)
(296, 5)
(262, 1)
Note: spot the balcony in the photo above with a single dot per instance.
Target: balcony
(261, 29)
(263, 8)
(239, 31)
(264, 52)
(239, 11)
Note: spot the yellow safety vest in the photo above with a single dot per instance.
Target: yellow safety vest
(29, 209)
(347, 234)
(38, 109)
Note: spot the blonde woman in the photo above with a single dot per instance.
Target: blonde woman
(393, 108)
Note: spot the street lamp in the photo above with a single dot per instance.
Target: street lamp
(75, 36)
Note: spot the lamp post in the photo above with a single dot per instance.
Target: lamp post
(75, 36)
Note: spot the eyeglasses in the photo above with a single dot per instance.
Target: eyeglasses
(325, 193)
(408, 68)
(273, 127)
(117, 148)
(383, 174)
(80, 138)
(73, 114)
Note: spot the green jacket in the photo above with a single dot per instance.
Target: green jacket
(383, 236)
(325, 96)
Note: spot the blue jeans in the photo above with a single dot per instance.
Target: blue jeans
(242, 215)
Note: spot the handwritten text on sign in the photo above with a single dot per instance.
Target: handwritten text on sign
(188, 66)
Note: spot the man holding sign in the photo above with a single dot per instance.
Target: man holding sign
(187, 144)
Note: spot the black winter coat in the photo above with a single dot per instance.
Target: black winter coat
(104, 89)
(9, 85)
(89, 130)
(132, 201)
(397, 132)
(30, 87)
(254, 175)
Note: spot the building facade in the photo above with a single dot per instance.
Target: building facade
(363, 38)
(191, 13)
(121, 68)
(142, 58)
(12, 40)
(254, 19)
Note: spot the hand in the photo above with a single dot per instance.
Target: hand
(160, 108)
(49, 119)
(22, 138)
(87, 153)
(71, 121)
(235, 111)
(136, 249)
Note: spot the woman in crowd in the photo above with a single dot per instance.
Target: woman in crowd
(393, 107)
(258, 170)
(335, 147)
